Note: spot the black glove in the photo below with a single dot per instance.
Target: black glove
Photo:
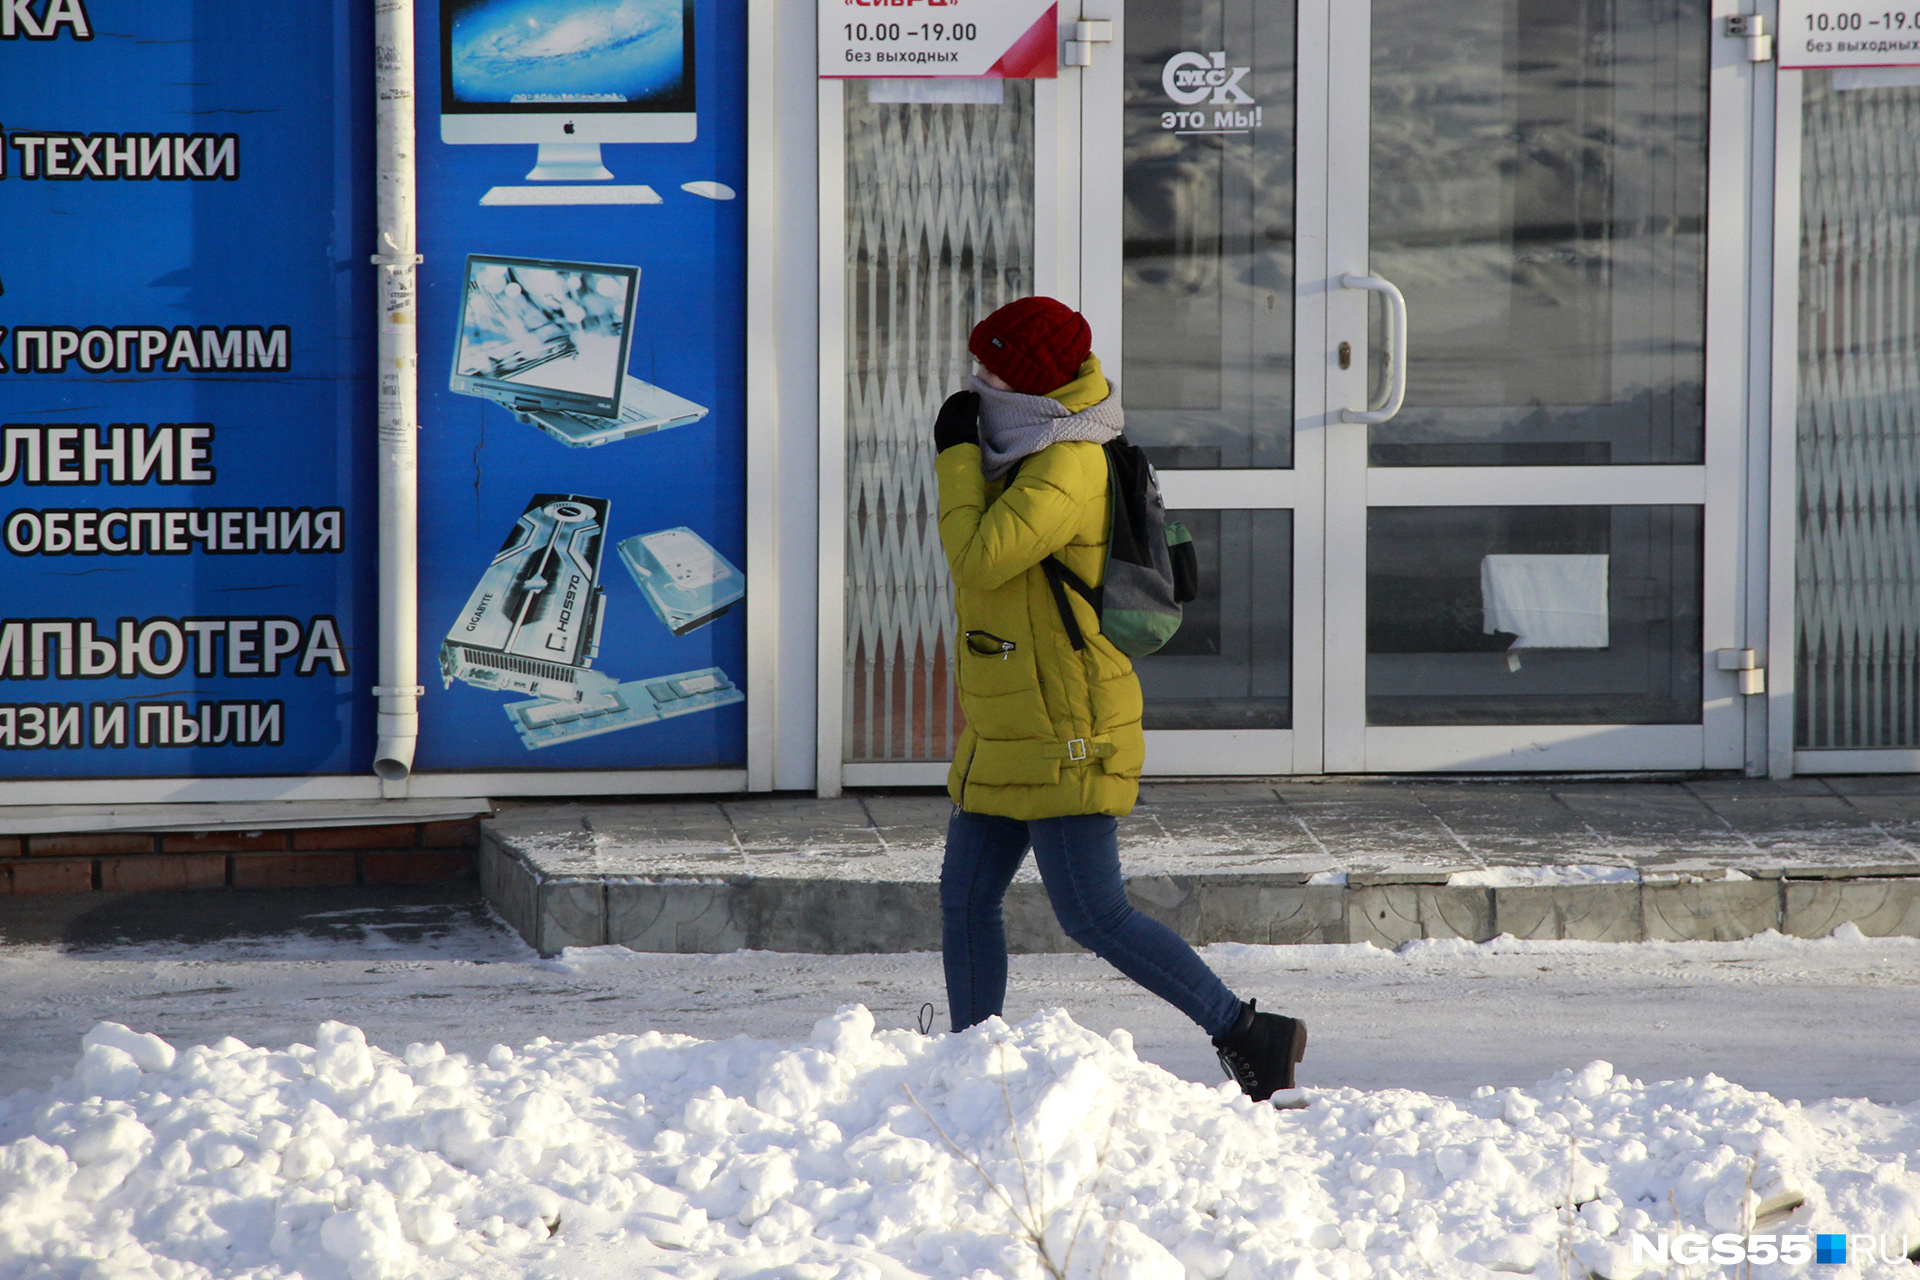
(959, 421)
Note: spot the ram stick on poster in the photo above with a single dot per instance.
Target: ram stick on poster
(186, 407)
(582, 384)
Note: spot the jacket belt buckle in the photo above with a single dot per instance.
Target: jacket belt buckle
(1077, 749)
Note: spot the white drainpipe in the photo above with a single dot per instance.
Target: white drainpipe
(399, 697)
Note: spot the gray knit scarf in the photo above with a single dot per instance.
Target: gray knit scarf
(1013, 425)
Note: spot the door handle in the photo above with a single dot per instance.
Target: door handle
(1396, 390)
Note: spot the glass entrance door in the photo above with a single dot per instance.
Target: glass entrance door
(1413, 306)
(1190, 247)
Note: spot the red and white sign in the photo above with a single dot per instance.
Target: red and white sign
(1835, 33)
(999, 39)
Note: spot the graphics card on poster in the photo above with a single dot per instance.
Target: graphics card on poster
(582, 357)
(186, 399)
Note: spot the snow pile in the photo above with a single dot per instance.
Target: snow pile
(873, 1156)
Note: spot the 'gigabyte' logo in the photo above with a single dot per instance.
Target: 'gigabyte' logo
(1192, 78)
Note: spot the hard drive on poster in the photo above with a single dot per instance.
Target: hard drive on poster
(635, 702)
(532, 625)
(687, 582)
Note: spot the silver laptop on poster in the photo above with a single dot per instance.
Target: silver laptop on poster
(549, 342)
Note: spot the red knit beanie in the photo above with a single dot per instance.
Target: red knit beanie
(1034, 345)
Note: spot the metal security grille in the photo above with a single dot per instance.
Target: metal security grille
(1858, 566)
(939, 219)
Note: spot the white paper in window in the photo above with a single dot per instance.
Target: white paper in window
(1549, 602)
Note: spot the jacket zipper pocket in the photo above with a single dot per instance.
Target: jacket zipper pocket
(987, 644)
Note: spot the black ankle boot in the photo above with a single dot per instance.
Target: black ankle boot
(1260, 1051)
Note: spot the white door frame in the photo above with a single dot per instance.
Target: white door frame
(1783, 760)
(1331, 486)
(1720, 485)
(1057, 271)
(1078, 211)
(1226, 752)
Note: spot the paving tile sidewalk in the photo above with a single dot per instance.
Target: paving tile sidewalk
(1322, 860)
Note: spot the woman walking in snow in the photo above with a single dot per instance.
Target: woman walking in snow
(1052, 750)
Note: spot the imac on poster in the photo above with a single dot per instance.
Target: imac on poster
(567, 75)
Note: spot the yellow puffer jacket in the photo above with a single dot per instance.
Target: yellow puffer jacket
(1050, 732)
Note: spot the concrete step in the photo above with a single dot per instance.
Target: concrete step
(1330, 861)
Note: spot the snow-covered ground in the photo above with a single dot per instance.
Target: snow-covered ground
(713, 1116)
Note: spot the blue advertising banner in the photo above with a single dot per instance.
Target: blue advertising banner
(185, 396)
(582, 384)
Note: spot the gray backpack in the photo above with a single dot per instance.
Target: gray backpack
(1151, 567)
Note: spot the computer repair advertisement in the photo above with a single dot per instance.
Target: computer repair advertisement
(582, 384)
(186, 402)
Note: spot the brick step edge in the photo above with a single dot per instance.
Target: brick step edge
(307, 857)
(152, 872)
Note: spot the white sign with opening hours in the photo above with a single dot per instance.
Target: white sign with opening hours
(1002, 39)
(1818, 33)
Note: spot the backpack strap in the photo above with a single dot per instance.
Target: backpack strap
(1059, 577)
(1094, 596)
(1055, 572)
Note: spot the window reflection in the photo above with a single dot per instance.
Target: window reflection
(1230, 666)
(1539, 195)
(1533, 615)
(1207, 259)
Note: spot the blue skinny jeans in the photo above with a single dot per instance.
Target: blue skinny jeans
(1079, 861)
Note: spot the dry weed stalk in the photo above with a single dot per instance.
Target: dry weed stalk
(1032, 1221)
(1566, 1224)
(1748, 1211)
(1673, 1203)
